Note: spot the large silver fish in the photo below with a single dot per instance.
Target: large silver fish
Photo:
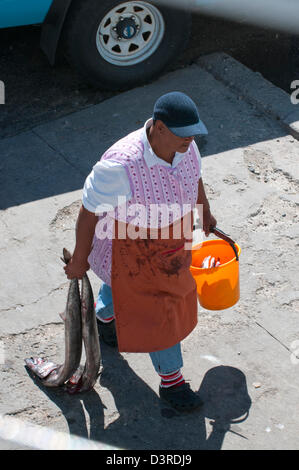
(53, 375)
(80, 319)
(84, 381)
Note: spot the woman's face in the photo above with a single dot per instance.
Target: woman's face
(172, 141)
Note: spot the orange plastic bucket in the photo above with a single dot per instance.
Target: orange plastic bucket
(217, 288)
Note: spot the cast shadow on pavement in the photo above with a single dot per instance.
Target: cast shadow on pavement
(39, 166)
(143, 421)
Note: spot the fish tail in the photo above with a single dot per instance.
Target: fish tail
(66, 256)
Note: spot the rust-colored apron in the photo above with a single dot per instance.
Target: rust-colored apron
(154, 293)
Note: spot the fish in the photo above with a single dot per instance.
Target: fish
(84, 382)
(51, 374)
(40, 366)
(210, 262)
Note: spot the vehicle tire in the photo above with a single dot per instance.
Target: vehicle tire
(118, 44)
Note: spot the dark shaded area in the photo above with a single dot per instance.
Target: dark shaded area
(57, 158)
(37, 92)
(272, 53)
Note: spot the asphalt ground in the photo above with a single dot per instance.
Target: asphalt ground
(37, 93)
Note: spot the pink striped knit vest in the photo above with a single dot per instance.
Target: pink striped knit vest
(158, 184)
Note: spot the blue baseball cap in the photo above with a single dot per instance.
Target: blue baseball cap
(180, 114)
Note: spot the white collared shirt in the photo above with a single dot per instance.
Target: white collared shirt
(108, 179)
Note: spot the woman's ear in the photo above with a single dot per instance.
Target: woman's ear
(160, 127)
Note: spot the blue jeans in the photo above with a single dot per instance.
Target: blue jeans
(165, 361)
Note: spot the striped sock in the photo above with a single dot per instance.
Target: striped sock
(172, 380)
(104, 320)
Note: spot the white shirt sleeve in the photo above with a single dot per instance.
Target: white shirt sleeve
(106, 182)
(199, 158)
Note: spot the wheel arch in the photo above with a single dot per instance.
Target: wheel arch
(52, 27)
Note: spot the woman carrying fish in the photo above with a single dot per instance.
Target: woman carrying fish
(133, 231)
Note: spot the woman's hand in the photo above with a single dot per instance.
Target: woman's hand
(76, 268)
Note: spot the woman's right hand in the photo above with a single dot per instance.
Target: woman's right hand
(76, 268)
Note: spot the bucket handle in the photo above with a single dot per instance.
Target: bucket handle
(219, 233)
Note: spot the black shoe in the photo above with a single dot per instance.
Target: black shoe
(181, 397)
(107, 333)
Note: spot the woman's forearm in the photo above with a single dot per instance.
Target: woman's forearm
(208, 220)
(85, 229)
(202, 198)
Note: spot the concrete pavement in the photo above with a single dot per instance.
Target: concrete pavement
(241, 360)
